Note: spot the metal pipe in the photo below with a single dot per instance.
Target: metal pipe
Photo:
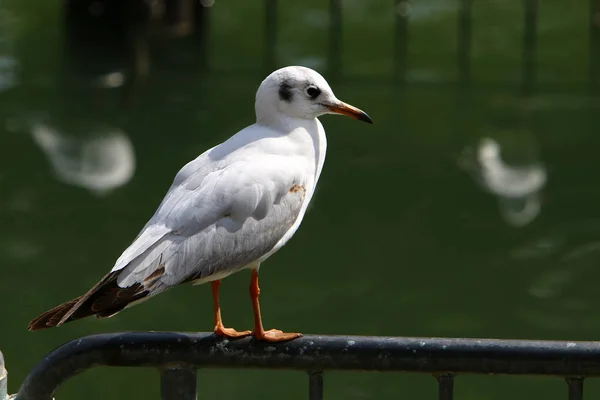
(575, 388)
(311, 353)
(315, 385)
(445, 387)
(178, 382)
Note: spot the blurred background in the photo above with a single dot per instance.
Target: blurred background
(471, 208)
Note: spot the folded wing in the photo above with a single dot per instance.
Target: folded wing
(208, 226)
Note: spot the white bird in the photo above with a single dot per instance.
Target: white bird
(227, 210)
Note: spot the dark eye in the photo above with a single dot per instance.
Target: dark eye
(313, 92)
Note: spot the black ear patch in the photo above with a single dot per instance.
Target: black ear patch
(285, 91)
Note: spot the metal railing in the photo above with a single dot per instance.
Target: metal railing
(179, 355)
(180, 15)
(464, 39)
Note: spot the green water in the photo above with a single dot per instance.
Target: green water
(401, 238)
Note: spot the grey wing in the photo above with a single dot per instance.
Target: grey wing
(231, 245)
(209, 225)
(210, 239)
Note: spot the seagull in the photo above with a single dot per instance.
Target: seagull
(229, 209)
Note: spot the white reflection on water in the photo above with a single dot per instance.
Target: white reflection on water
(9, 65)
(111, 80)
(100, 163)
(517, 188)
(8, 72)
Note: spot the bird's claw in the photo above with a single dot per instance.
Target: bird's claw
(275, 335)
(231, 333)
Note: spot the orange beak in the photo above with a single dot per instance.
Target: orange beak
(350, 111)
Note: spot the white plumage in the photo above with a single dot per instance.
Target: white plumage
(230, 208)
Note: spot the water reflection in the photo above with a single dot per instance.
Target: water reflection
(566, 256)
(100, 163)
(557, 269)
(517, 187)
(111, 80)
(8, 76)
(8, 63)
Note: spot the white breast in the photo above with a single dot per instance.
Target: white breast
(318, 148)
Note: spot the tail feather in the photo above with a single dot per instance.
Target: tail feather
(105, 299)
(53, 316)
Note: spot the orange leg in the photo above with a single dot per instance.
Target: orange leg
(273, 335)
(219, 328)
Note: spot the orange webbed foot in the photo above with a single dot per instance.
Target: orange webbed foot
(275, 335)
(231, 333)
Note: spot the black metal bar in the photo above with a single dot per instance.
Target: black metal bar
(465, 34)
(335, 38)
(427, 355)
(315, 385)
(400, 41)
(530, 46)
(270, 34)
(445, 387)
(575, 388)
(178, 383)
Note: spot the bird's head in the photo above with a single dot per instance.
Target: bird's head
(300, 92)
